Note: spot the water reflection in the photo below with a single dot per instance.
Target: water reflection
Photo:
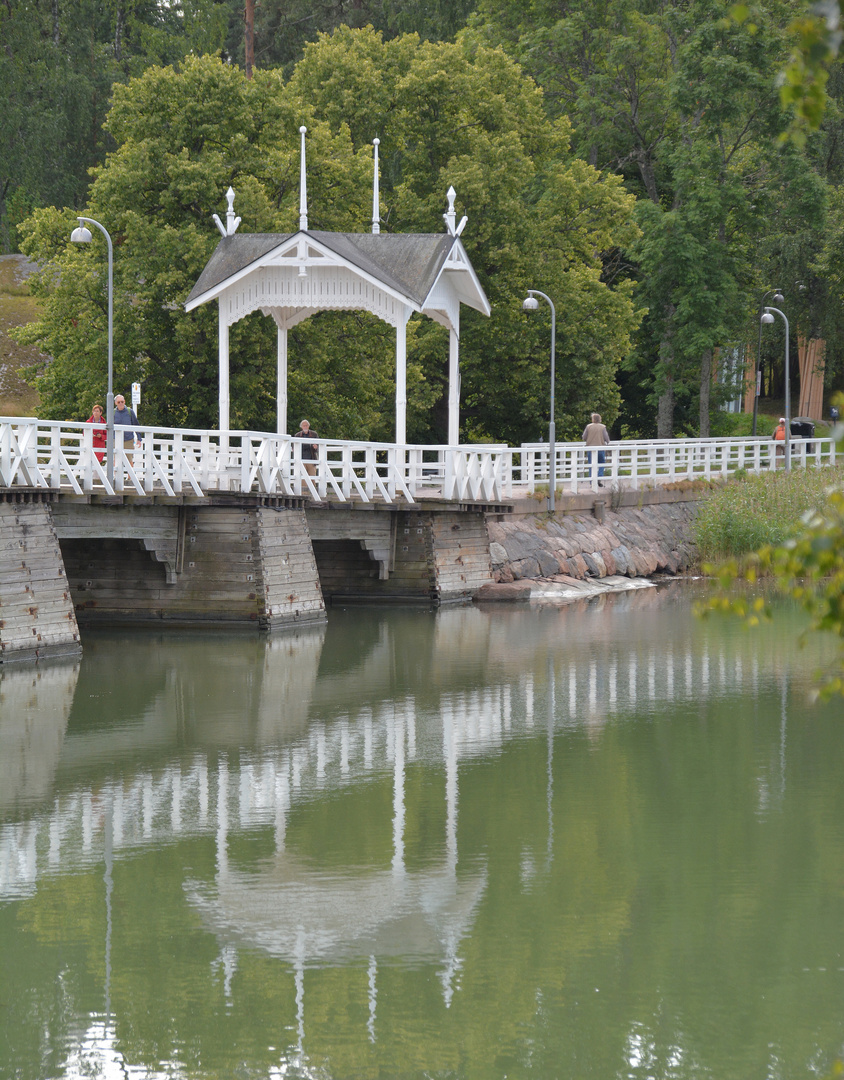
(316, 709)
(327, 801)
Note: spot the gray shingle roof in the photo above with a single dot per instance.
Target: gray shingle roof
(405, 262)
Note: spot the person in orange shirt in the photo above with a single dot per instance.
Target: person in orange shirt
(779, 437)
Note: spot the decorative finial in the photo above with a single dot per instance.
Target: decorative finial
(303, 185)
(232, 222)
(449, 216)
(376, 207)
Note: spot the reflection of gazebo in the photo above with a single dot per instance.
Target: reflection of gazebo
(291, 276)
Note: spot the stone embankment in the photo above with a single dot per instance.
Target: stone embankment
(629, 542)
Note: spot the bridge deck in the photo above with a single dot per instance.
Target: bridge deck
(166, 461)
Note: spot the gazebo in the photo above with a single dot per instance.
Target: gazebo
(290, 276)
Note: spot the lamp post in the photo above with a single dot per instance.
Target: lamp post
(768, 318)
(778, 299)
(531, 304)
(81, 235)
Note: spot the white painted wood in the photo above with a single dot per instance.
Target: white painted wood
(453, 387)
(59, 456)
(224, 368)
(401, 376)
(281, 382)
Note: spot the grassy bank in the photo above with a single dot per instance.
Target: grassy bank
(752, 511)
(17, 307)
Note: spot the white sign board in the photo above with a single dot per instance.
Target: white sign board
(136, 394)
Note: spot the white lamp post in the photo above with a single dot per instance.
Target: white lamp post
(768, 318)
(778, 298)
(81, 235)
(531, 304)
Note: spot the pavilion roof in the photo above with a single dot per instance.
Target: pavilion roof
(405, 263)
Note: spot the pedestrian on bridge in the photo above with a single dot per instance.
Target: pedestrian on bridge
(309, 449)
(596, 434)
(124, 417)
(100, 433)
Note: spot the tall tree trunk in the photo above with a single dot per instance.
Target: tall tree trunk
(56, 37)
(705, 392)
(118, 33)
(665, 408)
(665, 411)
(249, 36)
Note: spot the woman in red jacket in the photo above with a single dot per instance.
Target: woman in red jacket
(100, 430)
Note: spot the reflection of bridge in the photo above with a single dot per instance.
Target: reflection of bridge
(311, 722)
(312, 735)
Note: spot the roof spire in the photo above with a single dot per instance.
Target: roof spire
(303, 185)
(450, 217)
(232, 222)
(376, 207)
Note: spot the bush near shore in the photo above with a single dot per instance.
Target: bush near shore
(754, 511)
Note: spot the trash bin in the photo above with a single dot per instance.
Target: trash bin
(833, 413)
(802, 427)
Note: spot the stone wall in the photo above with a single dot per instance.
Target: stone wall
(631, 541)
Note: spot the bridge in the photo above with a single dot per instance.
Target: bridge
(60, 456)
(198, 527)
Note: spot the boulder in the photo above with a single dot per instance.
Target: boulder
(549, 564)
(516, 590)
(525, 568)
(497, 553)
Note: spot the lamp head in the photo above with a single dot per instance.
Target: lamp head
(530, 303)
(778, 297)
(81, 235)
(767, 318)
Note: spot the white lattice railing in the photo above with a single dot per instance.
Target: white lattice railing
(55, 455)
(654, 462)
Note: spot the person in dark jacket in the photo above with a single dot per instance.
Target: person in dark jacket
(309, 449)
(126, 419)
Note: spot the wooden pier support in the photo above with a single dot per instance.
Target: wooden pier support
(228, 561)
(387, 554)
(36, 610)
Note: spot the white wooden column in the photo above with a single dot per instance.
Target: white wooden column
(223, 366)
(281, 381)
(453, 387)
(401, 376)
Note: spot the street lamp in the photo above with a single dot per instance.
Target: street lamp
(81, 235)
(778, 299)
(531, 304)
(768, 318)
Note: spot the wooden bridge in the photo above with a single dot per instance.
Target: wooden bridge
(58, 456)
(200, 527)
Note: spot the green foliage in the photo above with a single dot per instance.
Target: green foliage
(803, 553)
(58, 66)
(683, 104)
(767, 508)
(446, 114)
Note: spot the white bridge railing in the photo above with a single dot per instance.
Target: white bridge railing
(171, 461)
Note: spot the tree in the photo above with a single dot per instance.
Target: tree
(446, 114)
(57, 66)
(683, 104)
(282, 28)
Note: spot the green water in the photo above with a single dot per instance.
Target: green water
(598, 841)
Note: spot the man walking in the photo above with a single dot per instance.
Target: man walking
(595, 434)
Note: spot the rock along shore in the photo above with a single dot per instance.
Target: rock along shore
(574, 554)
